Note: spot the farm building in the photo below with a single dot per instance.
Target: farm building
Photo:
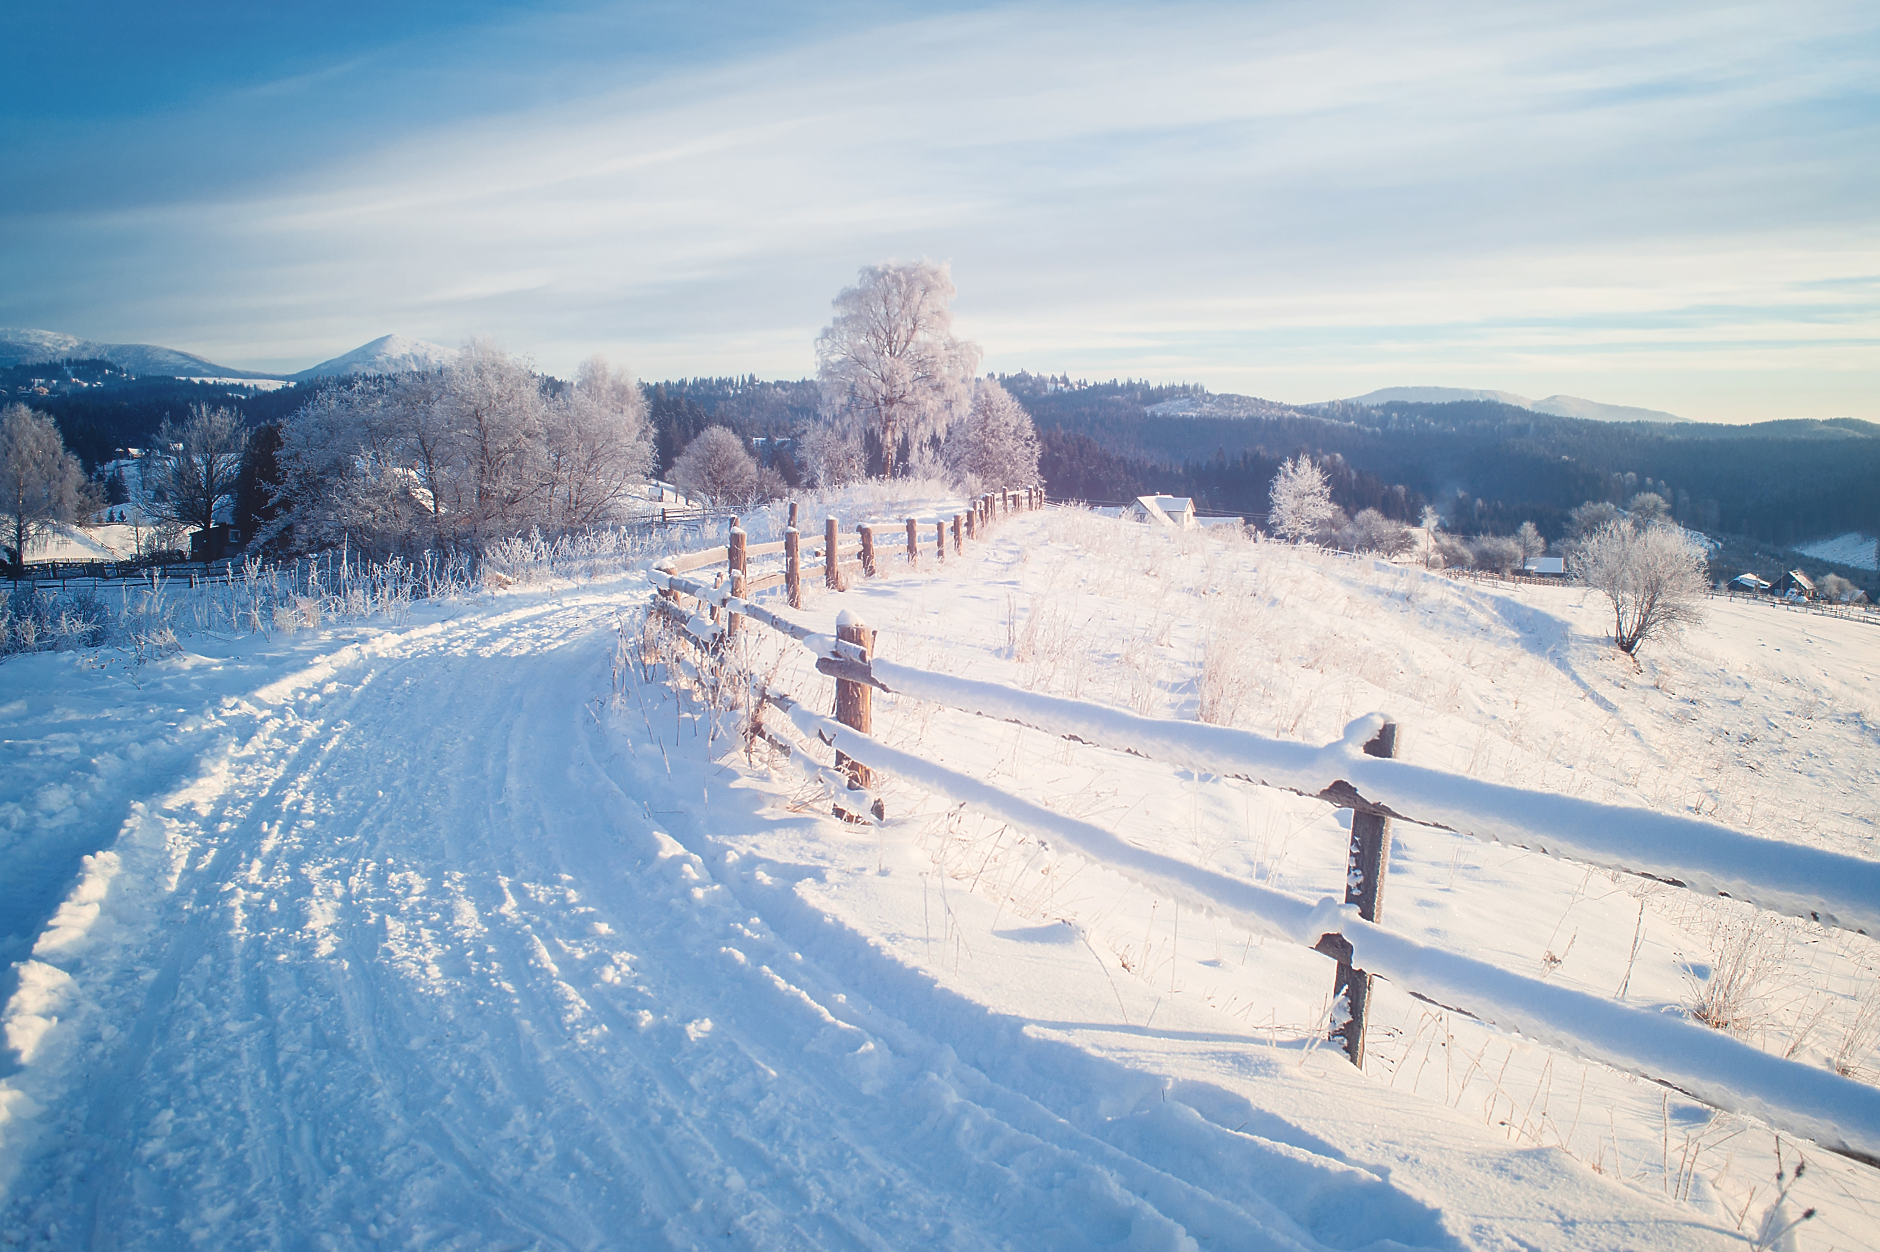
(1748, 582)
(1175, 512)
(1546, 566)
(1795, 583)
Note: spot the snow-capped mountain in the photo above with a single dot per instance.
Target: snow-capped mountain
(388, 354)
(1558, 406)
(27, 347)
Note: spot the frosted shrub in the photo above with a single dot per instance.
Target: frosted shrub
(45, 621)
(1746, 953)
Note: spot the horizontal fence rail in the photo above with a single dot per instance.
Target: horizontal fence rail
(1715, 1067)
(1707, 1064)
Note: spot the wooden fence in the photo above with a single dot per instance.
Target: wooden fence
(1708, 1065)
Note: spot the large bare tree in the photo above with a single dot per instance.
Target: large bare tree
(41, 484)
(889, 363)
(198, 463)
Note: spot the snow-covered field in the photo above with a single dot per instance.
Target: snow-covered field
(470, 931)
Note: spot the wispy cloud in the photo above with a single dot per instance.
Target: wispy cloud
(1540, 198)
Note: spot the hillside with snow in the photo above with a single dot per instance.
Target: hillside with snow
(483, 921)
(29, 347)
(388, 354)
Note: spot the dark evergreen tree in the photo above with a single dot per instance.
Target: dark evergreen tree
(258, 484)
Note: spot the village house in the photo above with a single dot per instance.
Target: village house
(1175, 512)
(1796, 584)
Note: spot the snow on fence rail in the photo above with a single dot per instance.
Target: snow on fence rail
(1705, 1063)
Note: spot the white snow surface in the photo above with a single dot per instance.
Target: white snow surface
(468, 931)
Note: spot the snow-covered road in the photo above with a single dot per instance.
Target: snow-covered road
(416, 943)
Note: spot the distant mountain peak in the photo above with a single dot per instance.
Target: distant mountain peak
(1557, 406)
(388, 354)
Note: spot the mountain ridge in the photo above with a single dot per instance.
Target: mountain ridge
(1554, 405)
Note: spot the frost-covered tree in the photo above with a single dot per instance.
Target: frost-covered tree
(1648, 508)
(1497, 552)
(41, 484)
(1590, 517)
(1371, 531)
(197, 465)
(717, 466)
(1532, 545)
(1653, 578)
(833, 454)
(1301, 499)
(888, 363)
(483, 435)
(598, 445)
(468, 453)
(996, 445)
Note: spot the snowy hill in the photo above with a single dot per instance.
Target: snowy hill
(1225, 405)
(388, 354)
(27, 347)
(1559, 406)
(460, 926)
(1852, 548)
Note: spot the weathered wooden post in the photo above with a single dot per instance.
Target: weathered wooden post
(868, 550)
(738, 565)
(972, 520)
(940, 540)
(1365, 868)
(958, 546)
(793, 564)
(854, 708)
(913, 544)
(831, 573)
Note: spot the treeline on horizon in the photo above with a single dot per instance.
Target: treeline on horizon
(1487, 467)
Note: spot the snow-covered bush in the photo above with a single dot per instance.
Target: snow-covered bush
(1371, 531)
(1654, 578)
(717, 466)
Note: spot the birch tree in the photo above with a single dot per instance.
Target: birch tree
(41, 484)
(888, 363)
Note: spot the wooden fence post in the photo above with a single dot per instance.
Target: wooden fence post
(868, 550)
(793, 565)
(738, 564)
(831, 573)
(1366, 864)
(957, 545)
(972, 518)
(940, 540)
(854, 707)
(913, 544)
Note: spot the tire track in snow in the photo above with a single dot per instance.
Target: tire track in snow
(426, 979)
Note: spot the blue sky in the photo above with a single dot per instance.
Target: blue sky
(1662, 205)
